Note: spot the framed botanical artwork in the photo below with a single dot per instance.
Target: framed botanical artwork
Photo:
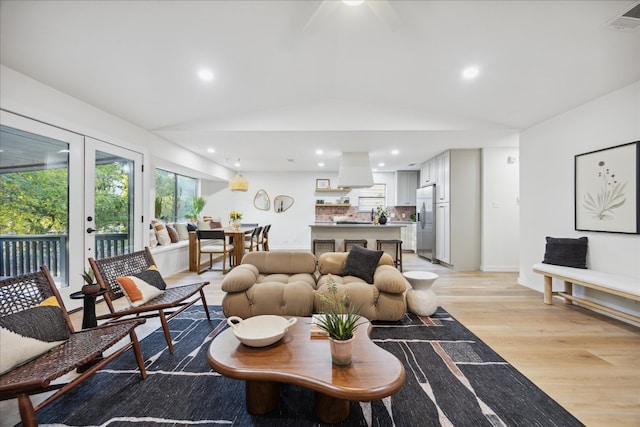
(322, 184)
(606, 189)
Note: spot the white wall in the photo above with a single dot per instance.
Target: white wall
(500, 209)
(290, 229)
(547, 154)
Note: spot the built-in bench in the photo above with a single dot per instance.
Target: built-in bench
(621, 286)
(172, 258)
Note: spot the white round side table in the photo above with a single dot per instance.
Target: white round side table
(421, 299)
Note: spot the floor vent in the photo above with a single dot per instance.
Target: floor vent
(627, 21)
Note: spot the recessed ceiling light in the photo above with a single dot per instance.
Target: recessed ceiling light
(380, 164)
(319, 151)
(321, 164)
(211, 150)
(237, 164)
(395, 152)
(205, 74)
(353, 2)
(470, 73)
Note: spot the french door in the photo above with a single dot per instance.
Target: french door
(63, 198)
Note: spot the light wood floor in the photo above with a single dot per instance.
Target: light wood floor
(587, 362)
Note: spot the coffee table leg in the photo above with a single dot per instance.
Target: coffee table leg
(330, 409)
(262, 396)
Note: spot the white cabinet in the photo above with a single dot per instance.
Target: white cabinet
(443, 168)
(408, 237)
(406, 186)
(443, 233)
(428, 173)
(458, 209)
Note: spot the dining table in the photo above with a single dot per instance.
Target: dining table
(236, 236)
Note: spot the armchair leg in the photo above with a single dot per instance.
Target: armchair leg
(138, 353)
(27, 413)
(165, 328)
(204, 304)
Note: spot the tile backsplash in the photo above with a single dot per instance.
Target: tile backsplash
(326, 213)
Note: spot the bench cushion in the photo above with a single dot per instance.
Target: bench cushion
(598, 278)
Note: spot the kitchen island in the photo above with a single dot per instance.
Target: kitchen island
(339, 232)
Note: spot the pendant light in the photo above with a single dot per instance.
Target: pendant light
(238, 183)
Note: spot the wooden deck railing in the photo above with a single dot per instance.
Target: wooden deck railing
(21, 254)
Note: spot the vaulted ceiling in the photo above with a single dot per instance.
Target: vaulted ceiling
(291, 77)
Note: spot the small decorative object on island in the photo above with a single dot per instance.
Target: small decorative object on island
(235, 218)
(91, 287)
(382, 214)
(340, 322)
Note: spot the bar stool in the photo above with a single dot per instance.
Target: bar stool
(393, 248)
(321, 246)
(348, 243)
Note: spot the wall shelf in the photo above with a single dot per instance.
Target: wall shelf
(333, 190)
(333, 204)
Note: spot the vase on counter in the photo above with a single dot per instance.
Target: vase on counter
(235, 224)
(382, 220)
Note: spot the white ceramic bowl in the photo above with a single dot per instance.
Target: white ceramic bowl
(260, 331)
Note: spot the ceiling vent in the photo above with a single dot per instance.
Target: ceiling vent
(627, 21)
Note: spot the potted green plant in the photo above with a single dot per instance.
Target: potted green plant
(382, 214)
(90, 287)
(339, 320)
(197, 205)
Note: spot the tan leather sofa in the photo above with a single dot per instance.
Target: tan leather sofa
(284, 283)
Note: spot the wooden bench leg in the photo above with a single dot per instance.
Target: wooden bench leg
(568, 289)
(548, 290)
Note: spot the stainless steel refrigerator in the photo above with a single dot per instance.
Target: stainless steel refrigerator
(426, 223)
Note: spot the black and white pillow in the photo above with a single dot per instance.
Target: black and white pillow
(29, 333)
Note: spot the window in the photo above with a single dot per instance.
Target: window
(372, 197)
(174, 195)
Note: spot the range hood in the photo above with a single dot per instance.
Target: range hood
(355, 171)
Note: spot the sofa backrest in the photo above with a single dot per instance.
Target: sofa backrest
(333, 262)
(286, 262)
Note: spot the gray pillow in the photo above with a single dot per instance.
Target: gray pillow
(361, 262)
(566, 252)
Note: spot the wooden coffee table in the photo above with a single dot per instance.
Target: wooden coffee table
(299, 359)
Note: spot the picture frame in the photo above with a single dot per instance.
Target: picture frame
(323, 184)
(606, 189)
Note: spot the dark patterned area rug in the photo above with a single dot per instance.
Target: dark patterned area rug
(453, 379)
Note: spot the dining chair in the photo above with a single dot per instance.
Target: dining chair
(264, 238)
(213, 242)
(251, 241)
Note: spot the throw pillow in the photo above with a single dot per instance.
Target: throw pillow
(183, 231)
(173, 234)
(215, 224)
(566, 252)
(162, 234)
(153, 240)
(361, 262)
(29, 333)
(142, 287)
(191, 226)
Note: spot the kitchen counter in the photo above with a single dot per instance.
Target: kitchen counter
(339, 232)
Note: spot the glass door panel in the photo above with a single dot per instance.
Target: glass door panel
(36, 181)
(110, 225)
